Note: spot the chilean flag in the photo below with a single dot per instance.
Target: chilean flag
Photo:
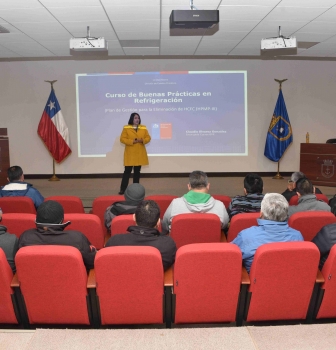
(53, 130)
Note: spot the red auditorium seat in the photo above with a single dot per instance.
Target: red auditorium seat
(17, 205)
(309, 223)
(282, 278)
(163, 201)
(207, 279)
(100, 204)
(226, 200)
(89, 225)
(17, 223)
(7, 300)
(130, 285)
(195, 228)
(240, 222)
(295, 199)
(70, 204)
(327, 307)
(53, 282)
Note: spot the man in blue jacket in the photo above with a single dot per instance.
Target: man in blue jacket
(18, 188)
(272, 227)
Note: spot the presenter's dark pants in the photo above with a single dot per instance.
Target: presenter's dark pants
(127, 174)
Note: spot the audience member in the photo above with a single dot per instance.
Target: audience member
(291, 187)
(17, 187)
(145, 233)
(250, 202)
(307, 199)
(324, 240)
(133, 194)
(272, 227)
(50, 231)
(197, 200)
(9, 244)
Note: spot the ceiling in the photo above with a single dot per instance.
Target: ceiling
(41, 29)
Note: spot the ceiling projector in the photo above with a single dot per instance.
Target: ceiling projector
(278, 46)
(194, 19)
(88, 45)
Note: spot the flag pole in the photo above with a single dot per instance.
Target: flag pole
(54, 177)
(278, 176)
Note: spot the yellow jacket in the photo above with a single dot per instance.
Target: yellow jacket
(135, 153)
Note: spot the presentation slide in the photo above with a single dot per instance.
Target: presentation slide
(187, 113)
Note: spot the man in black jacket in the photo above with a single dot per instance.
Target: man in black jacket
(291, 187)
(134, 194)
(324, 240)
(50, 231)
(145, 233)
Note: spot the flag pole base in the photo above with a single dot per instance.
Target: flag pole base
(277, 177)
(54, 178)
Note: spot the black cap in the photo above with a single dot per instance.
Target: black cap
(50, 212)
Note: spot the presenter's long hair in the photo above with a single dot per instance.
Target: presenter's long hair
(130, 122)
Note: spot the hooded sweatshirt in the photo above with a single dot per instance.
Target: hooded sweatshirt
(145, 236)
(54, 234)
(9, 244)
(194, 202)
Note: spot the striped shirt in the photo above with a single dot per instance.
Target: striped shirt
(245, 204)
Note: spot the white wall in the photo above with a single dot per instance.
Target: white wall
(310, 96)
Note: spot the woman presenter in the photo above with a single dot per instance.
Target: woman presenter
(134, 136)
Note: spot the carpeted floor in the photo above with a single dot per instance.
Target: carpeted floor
(297, 337)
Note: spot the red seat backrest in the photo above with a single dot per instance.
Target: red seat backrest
(328, 305)
(282, 280)
(7, 314)
(17, 205)
(163, 201)
(120, 224)
(89, 225)
(240, 222)
(130, 285)
(207, 282)
(309, 223)
(53, 282)
(320, 196)
(70, 204)
(226, 200)
(195, 228)
(100, 204)
(17, 223)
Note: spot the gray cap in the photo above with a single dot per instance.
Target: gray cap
(135, 193)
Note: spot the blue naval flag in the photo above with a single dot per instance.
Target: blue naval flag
(279, 135)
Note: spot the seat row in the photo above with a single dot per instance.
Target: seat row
(73, 204)
(186, 228)
(129, 287)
